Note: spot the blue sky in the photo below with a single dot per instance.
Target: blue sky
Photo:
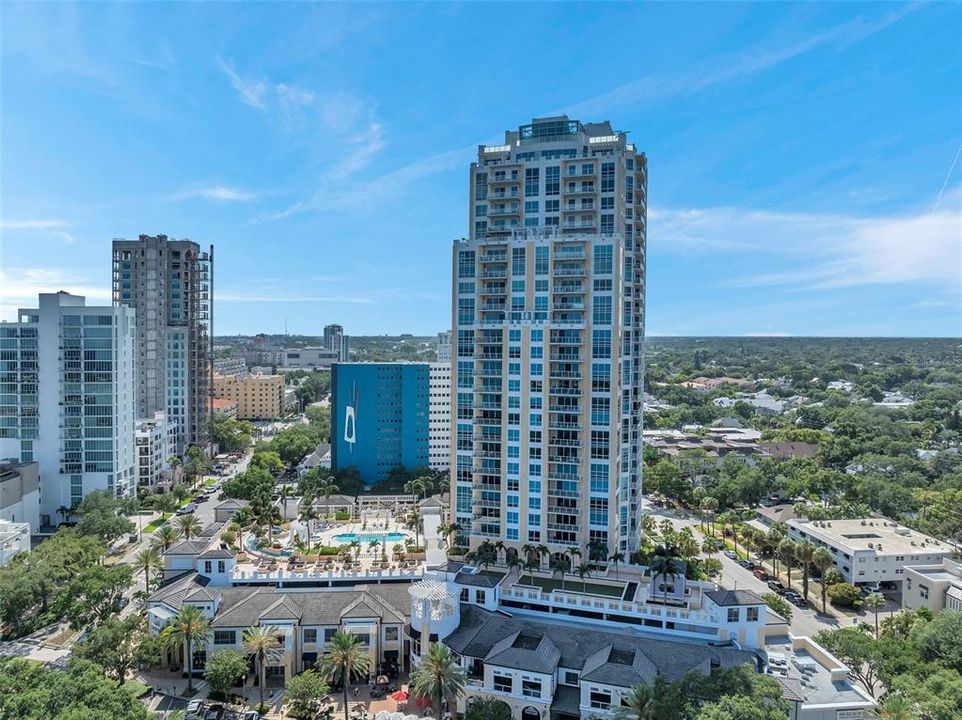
(800, 156)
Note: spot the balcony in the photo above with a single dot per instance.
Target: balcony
(582, 189)
(568, 306)
(570, 391)
(580, 226)
(567, 373)
(570, 254)
(583, 209)
(567, 459)
(562, 288)
(560, 425)
(493, 257)
(494, 274)
(565, 442)
(569, 271)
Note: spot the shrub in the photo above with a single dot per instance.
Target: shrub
(342, 516)
(843, 594)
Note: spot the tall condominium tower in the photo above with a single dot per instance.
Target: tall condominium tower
(336, 340)
(67, 399)
(549, 317)
(168, 283)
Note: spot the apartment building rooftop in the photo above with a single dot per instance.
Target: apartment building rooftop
(876, 534)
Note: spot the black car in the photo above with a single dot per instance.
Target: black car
(776, 586)
(747, 564)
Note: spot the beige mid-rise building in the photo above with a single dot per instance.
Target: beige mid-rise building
(257, 397)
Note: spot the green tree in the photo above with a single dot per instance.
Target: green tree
(148, 561)
(94, 594)
(638, 704)
(262, 643)
(100, 517)
(165, 537)
(786, 551)
(304, 693)
(345, 661)
(740, 707)
(488, 709)
(665, 564)
(188, 525)
(895, 707)
(843, 594)
(31, 691)
(120, 645)
(224, 670)
(438, 678)
(779, 605)
(874, 601)
(189, 626)
(822, 559)
(858, 651)
(938, 639)
(804, 553)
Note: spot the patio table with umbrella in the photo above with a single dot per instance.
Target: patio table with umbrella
(400, 696)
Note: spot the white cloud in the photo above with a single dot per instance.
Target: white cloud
(820, 250)
(31, 224)
(251, 91)
(724, 69)
(19, 287)
(216, 192)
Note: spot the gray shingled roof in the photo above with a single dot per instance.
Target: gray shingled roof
(523, 651)
(613, 655)
(734, 597)
(232, 504)
(177, 590)
(481, 579)
(246, 606)
(217, 554)
(188, 547)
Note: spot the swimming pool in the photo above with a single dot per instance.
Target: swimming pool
(364, 538)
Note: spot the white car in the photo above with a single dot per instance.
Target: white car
(730, 554)
(194, 708)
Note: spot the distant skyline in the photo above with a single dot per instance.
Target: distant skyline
(804, 160)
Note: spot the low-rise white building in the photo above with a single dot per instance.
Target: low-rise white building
(309, 358)
(936, 587)
(872, 550)
(14, 538)
(20, 494)
(156, 441)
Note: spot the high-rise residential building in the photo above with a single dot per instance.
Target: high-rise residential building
(256, 396)
(439, 415)
(20, 493)
(380, 417)
(168, 283)
(155, 439)
(444, 346)
(549, 317)
(336, 340)
(67, 399)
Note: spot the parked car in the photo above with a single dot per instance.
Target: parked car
(747, 564)
(194, 710)
(730, 554)
(798, 601)
(760, 573)
(777, 587)
(251, 715)
(214, 712)
(200, 499)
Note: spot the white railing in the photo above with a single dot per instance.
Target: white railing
(282, 574)
(559, 598)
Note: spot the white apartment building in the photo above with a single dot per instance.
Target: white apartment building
(338, 342)
(309, 358)
(444, 346)
(68, 399)
(873, 550)
(168, 282)
(439, 415)
(20, 493)
(547, 340)
(14, 538)
(156, 441)
(936, 587)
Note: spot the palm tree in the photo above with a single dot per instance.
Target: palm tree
(822, 559)
(874, 601)
(804, 551)
(188, 525)
(583, 571)
(148, 560)
(560, 565)
(344, 661)
(327, 488)
(262, 643)
(638, 704)
(186, 628)
(166, 536)
(412, 521)
(649, 526)
(355, 545)
(665, 563)
(308, 514)
(64, 512)
(616, 558)
(438, 677)
(708, 506)
(528, 550)
(597, 551)
(895, 707)
(786, 550)
(531, 564)
(571, 553)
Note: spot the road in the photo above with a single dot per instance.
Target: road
(805, 621)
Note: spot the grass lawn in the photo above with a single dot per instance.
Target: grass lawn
(152, 526)
(573, 584)
(136, 688)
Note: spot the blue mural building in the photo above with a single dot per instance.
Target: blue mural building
(379, 417)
